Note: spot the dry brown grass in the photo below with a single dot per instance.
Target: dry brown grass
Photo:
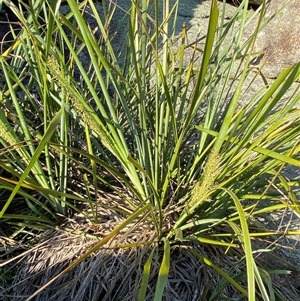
(112, 273)
(115, 273)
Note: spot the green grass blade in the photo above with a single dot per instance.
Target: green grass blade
(163, 272)
(46, 138)
(220, 271)
(145, 279)
(246, 242)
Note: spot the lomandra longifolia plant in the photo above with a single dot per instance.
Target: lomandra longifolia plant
(161, 129)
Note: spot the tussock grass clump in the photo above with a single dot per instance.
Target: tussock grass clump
(141, 177)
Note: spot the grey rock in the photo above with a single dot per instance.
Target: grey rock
(251, 2)
(279, 41)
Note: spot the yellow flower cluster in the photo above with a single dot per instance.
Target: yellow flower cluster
(5, 134)
(207, 181)
(70, 95)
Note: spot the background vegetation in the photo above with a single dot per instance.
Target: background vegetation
(145, 157)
